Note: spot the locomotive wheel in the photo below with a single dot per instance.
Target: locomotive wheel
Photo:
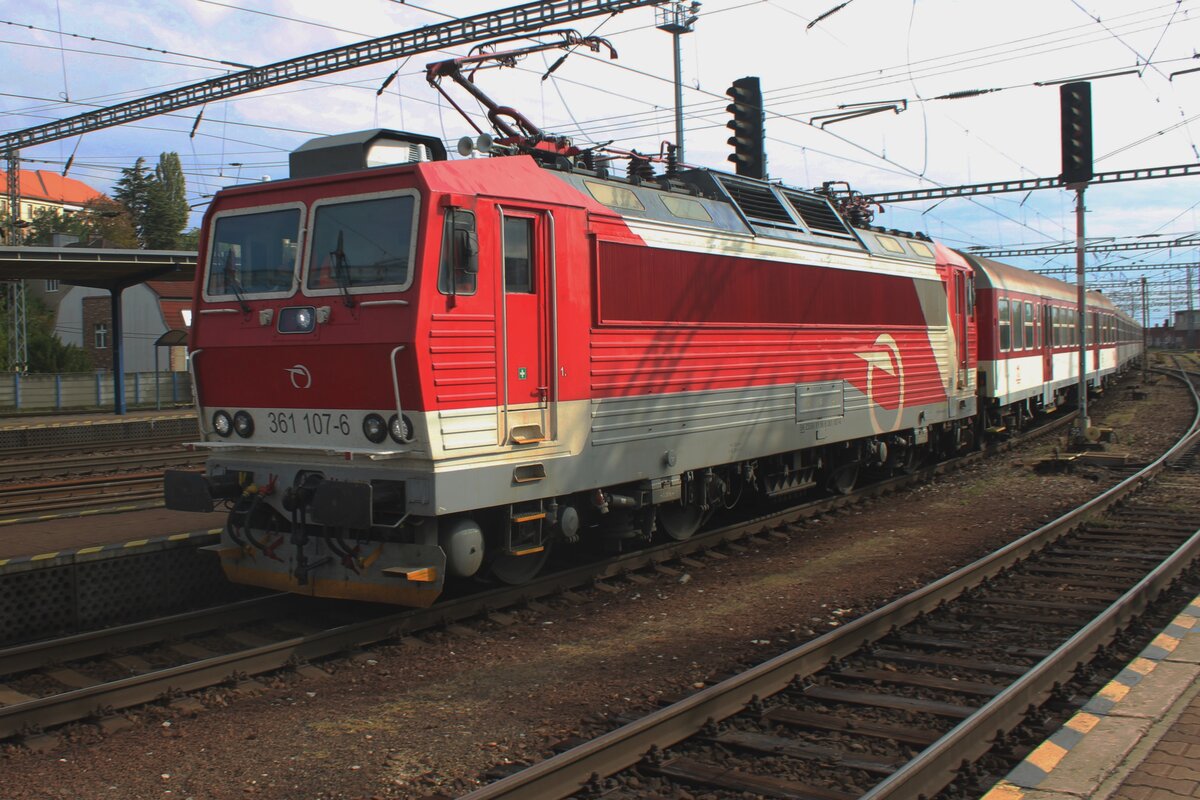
(906, 463)
(843, 478)
(516, 570)
(680, 521)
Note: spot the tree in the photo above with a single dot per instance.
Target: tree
(167, 209)
(157, 201)
(190, 239)
(101, 223)
(47, 353)
(133, 192)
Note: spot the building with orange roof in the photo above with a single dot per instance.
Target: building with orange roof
(43, 190)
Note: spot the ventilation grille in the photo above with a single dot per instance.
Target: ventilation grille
(818, 214)
(759, 204)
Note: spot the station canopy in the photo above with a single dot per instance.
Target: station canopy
(99, 268)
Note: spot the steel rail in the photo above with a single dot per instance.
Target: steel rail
(937, 765)
(572, 770)
(83, 703)
(35, 655)
(40, 469)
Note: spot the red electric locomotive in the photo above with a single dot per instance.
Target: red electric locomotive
(411, 369)
(443, 367)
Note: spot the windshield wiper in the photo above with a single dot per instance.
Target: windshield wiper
(341, 272)
(231, 279)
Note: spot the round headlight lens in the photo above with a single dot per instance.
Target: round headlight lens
(222, 423)
(374, 428)
(243, 423)
(400, 428)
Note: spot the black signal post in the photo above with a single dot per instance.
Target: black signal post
(1076, 104)
(1076, 100)
(749, 155)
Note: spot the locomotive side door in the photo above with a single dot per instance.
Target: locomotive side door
(528, 356)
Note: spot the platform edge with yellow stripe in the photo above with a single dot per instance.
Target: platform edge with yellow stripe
(1093, 752)
(84, 588)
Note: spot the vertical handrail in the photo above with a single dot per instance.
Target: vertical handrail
(552, 265)
(396, 382)
(503, 334)
(204, 429)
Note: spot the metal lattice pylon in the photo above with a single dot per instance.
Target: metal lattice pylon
(18, 345)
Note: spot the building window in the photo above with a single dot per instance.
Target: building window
(100, 335)
(51, 286)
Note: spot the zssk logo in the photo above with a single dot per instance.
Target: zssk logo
(885, 381)
(301, 377)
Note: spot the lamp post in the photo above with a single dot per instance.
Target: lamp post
(677, 18)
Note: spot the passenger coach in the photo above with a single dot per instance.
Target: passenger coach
(1028, 342)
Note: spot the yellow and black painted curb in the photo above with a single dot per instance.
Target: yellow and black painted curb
(1030, 774)
(111, 550)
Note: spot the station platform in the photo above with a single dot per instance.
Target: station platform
(95, 428)
(83, 418)
(1138, 738)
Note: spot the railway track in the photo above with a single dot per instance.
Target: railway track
(59, 681)
(39, 466)
(895, 703)
(19, 501)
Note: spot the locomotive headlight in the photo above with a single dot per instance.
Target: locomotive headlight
(400, 428)
(222, 424)
(297, 320)
(374, 428)
(243, 423)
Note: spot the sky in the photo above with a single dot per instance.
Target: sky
(813, 58)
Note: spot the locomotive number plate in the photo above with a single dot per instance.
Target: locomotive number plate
(310, 423)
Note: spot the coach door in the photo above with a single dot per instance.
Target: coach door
(529, 357)
(1047, 343)
(962, 329)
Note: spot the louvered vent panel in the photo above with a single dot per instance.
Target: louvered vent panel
(818, 214)
(759, 203)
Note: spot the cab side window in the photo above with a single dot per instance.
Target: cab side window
(458, 271)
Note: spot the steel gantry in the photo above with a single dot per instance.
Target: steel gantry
(505, 22)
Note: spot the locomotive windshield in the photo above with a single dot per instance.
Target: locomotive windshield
(254, 253)
(362, 243)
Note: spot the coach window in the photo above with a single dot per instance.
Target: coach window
(1002, 317)
(518, 254)
(1029, 326)
(1018, 325)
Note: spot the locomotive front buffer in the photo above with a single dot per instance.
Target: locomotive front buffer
(329, 537)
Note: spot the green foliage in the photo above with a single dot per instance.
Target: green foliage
(133, 192)
(157, 201)
(47, 353)
(103, 222)
(190, 239)
(167, 210)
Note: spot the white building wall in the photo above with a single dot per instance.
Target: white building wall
(142, 321)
